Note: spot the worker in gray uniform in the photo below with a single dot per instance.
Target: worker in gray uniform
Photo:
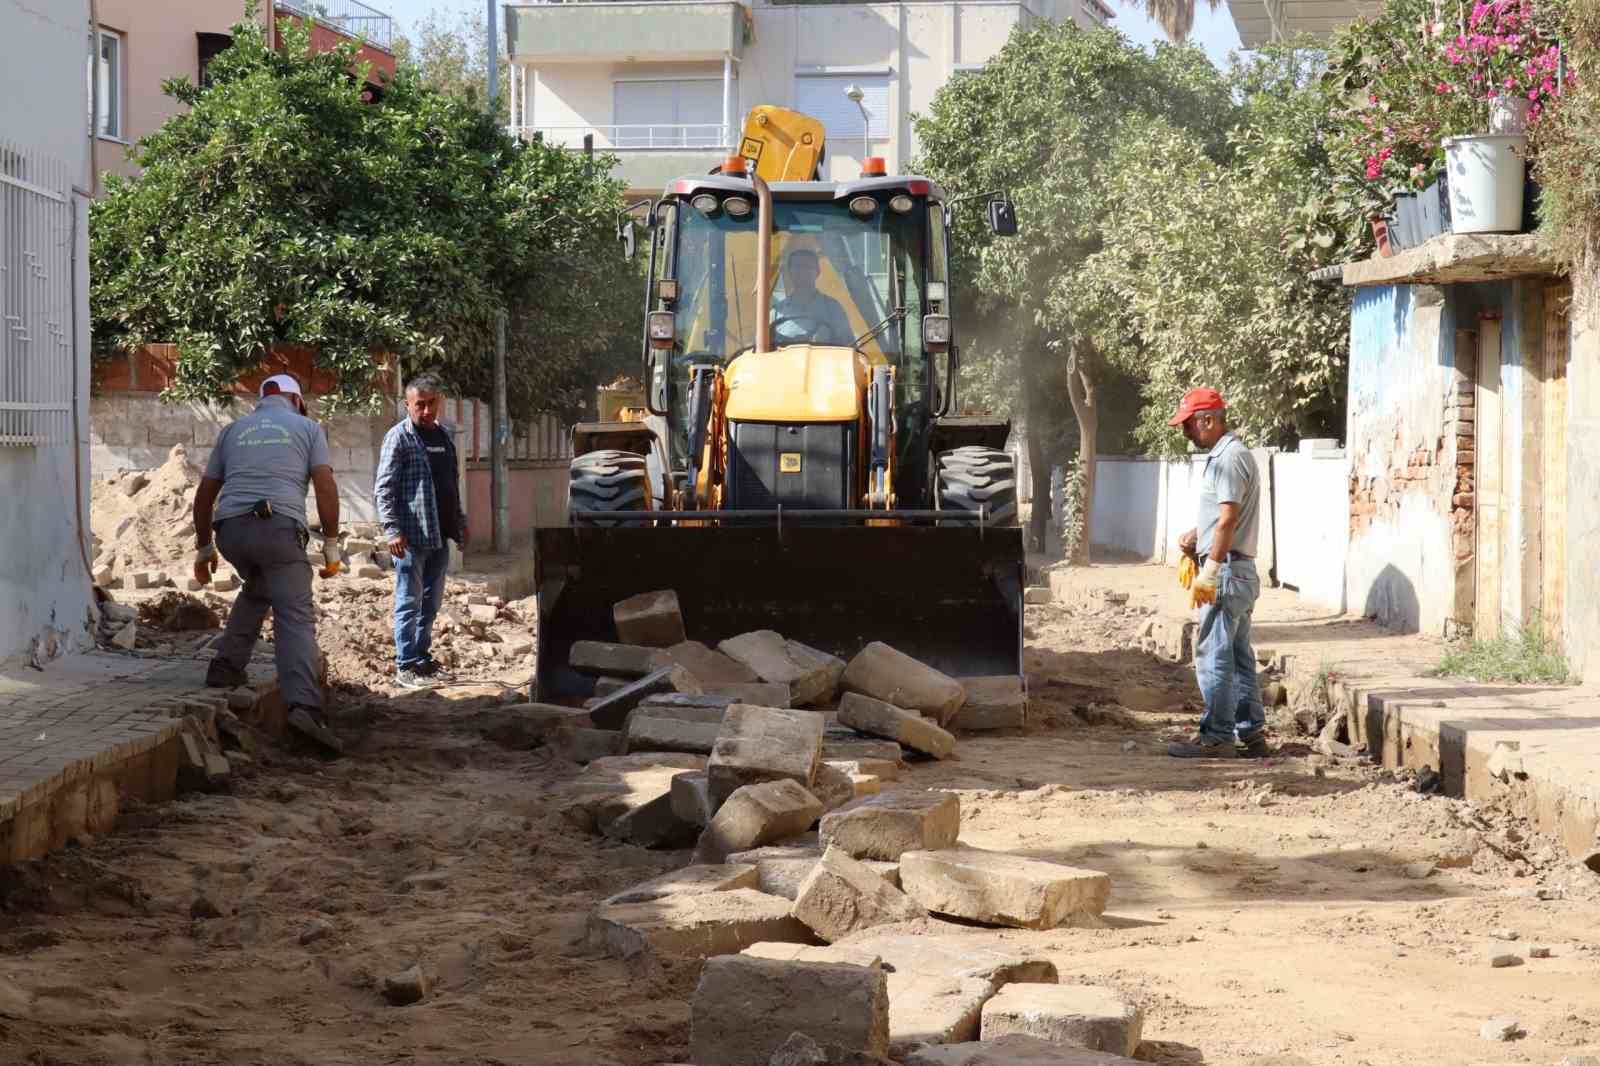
(253, 497)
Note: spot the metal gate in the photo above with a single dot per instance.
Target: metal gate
(36, 299)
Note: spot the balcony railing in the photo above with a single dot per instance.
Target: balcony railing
(706, 136)
(349, 17)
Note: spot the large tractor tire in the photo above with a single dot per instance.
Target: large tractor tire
(974, 477)
(608, 480)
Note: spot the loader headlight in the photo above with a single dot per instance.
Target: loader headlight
(935, 332)
(737, 206)
(706, 204)
(900, 204)
(863, 207)
(663, 328)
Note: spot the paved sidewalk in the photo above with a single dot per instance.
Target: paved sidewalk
(1535, 748)
(87, 732)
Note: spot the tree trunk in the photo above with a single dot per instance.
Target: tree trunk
(1081, 391)
(1035, 420)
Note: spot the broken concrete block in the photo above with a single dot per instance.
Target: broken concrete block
(883, 769)
(404, 989)
(694, 926)
(605, 686)
(835, 748)
(763, 744)
(1000, 889)
(894, 677)
(882, 719)
(629, 797)
(581, 745)
(1086, 1016)
(865, 785)
(939, 984)
(1035, 595)
(481, 613)
(782, 869)
(811, 675)
(150, 579)
(755, 693)
(614, 660)
(755, 815)
(612, 711)
(697, 700)
(842, 896)
(889, 824)
(999, 702)
(745, 1008)
(651, 619)
(691, 798)
(126, 636)
(1014, 1050)
(224, 583)
(710, 666)
(200, 767)
(667, 728)
(834, 788)
(802, 1050)
(689, 881)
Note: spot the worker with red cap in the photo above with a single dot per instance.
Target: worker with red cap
(1226, 586)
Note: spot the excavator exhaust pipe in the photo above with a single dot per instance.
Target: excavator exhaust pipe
(951, 597)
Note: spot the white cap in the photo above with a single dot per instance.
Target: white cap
(285, 383)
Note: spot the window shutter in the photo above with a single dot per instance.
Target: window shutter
(823, 98)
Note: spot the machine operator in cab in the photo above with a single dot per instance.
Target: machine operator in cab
(805, 314)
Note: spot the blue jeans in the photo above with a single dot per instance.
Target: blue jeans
(418, 591)
(1224, 662)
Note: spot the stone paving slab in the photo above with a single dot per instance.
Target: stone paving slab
(88, 720)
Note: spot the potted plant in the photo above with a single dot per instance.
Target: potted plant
(1501, 74)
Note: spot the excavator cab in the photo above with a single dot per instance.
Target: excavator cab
(801, 467)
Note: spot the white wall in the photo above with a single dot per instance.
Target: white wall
(1311, 522)
(44, 105)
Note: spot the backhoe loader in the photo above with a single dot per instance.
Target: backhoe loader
(800, 465)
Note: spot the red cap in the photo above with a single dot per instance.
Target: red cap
(1196, 400)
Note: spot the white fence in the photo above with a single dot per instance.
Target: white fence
(1142, 506)
(37, 303)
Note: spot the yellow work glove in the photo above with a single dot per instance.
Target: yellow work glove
(332, 557)
(1186, 571)
(1204, 589)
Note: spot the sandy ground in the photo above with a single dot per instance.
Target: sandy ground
(1258, 909)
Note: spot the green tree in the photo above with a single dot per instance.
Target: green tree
(451, 54)
(281, 209)
(1044, 119)
(1204, 273)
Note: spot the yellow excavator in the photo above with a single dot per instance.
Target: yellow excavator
(799, 465)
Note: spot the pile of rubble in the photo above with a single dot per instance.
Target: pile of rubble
(837, 916)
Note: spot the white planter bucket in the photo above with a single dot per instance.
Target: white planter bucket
(1486, 182)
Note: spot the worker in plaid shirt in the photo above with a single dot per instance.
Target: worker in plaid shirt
(419, 504)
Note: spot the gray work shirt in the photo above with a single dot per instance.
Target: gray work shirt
(1230, 477)
(267, 455)
(818, 313)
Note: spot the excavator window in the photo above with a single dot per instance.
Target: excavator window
(839, 277)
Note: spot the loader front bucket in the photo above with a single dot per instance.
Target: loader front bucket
(951, 597)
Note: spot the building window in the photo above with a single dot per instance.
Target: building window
(108, 120)
(660, 113)
(822, 96)
(210, 45)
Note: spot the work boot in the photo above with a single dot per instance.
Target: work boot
(309, 723)
(223, 674)
(1255, 746)
(1203, 748)
(407, 677)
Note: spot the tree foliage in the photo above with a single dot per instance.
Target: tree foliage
(1203, 278)
(281, 208)
(451, 54)
(1567, 160)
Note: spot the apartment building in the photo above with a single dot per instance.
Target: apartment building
(665, 84)
(140, 44)
(1261, 21)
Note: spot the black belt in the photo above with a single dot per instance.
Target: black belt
(1233, 557)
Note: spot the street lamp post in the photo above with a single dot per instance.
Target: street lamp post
(856, 96)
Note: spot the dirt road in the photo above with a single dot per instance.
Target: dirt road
(1258, 909)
